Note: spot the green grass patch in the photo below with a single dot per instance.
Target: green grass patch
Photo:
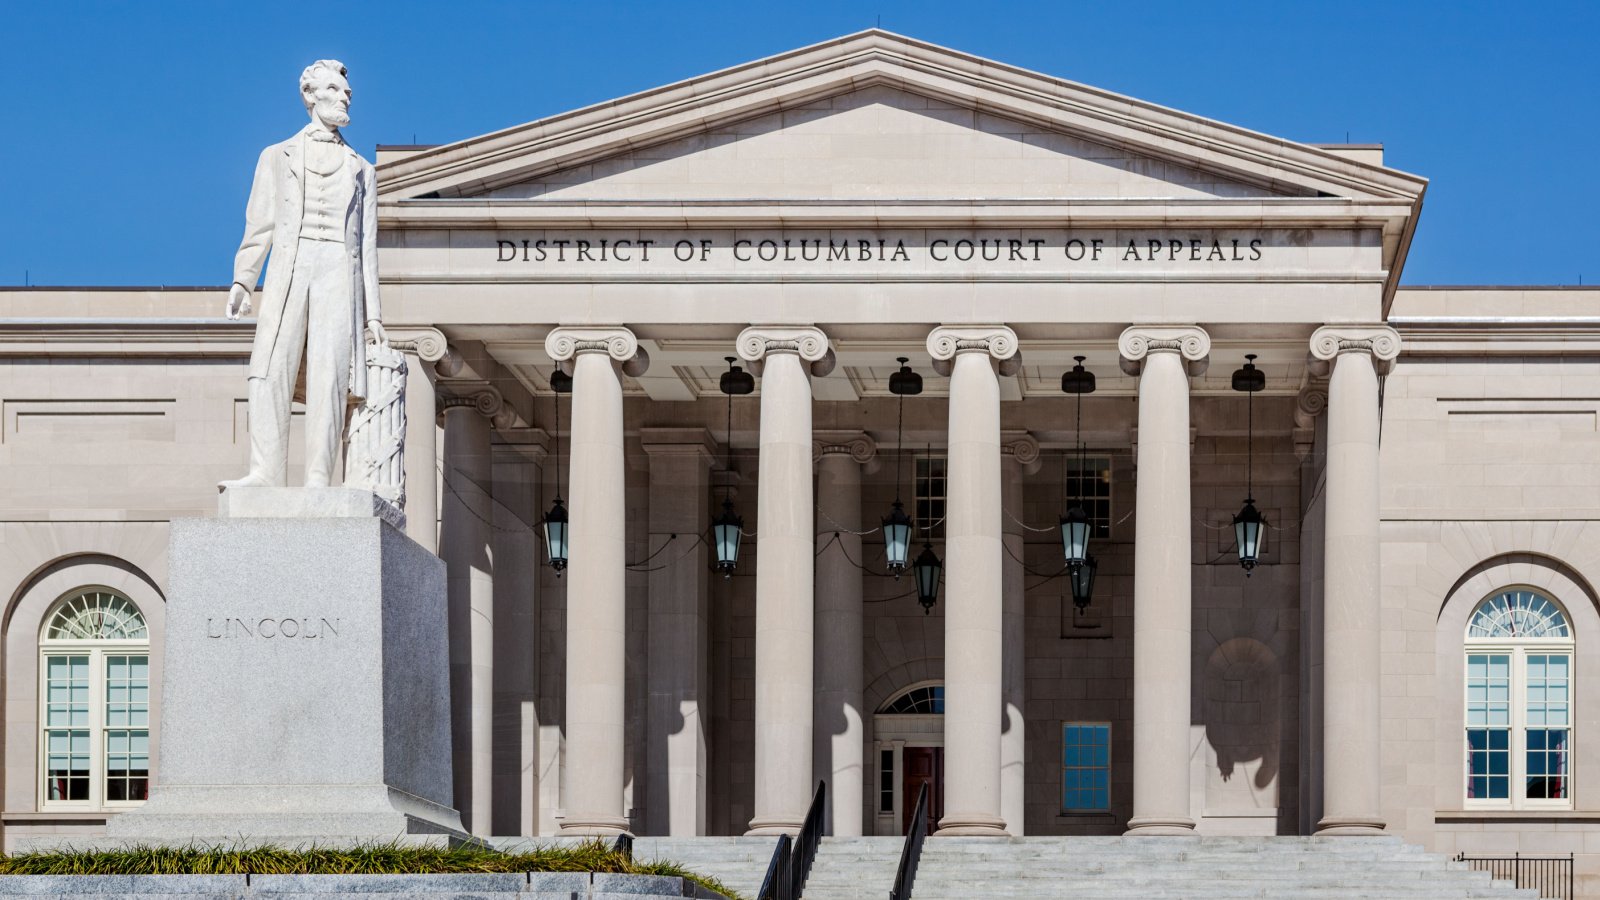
(374, 859)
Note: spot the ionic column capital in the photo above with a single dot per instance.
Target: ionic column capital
(1189, 341)
(808, 342)
(1021, 447)
(855, 444)
(479, 396)
(999, 341)
(429, 344)
(564, 344)
(1312, 402)
(1381, 342)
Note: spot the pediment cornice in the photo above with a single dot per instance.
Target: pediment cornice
(874, 58)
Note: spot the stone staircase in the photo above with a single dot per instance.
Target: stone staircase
(1104, 868)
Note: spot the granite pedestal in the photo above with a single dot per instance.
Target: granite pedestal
(306, 687)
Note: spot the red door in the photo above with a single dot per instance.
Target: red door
(922, 766)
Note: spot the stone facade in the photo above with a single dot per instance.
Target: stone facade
(123, 407)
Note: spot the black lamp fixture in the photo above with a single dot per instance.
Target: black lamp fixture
(897, 525)
(1082, 579)
(1075, 525)
(727, 527)
(928, 569)
(1248, 525)
(555, 521)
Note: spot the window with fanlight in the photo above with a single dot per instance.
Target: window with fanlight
(94, 702)
(1519, 688)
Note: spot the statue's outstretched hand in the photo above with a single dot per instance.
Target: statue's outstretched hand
(238, 301)
(375, 328)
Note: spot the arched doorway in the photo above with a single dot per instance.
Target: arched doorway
(909, 730)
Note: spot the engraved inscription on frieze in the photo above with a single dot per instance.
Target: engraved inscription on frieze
(269, 628)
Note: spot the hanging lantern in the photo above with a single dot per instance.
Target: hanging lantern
(1075, 525)
(1075, 528)
(1248, 525)
(897, 525)
(725, 531)
(928, 569)
(1082, 578)
(727, 527)
(555, 536)
(554, 524)
(897, 538)
(1247, 528)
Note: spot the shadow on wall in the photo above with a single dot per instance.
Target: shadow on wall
(1242, 704)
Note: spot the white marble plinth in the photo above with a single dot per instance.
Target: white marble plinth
(306, 503)
(306, 690)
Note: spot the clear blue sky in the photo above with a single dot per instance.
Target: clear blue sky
(126, 154)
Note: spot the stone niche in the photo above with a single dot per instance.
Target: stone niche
(306, 690)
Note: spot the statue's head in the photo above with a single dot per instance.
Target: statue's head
(326, 93)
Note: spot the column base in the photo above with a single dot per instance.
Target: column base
(972, 825)
(1350, 826)
(1157, 826)
(774, 826)
(594, 826)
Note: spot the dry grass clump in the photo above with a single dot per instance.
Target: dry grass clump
(372, 859)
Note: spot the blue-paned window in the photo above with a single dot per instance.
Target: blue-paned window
(1085, 767)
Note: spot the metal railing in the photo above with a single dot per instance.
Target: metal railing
(1551, 876)
(911, 852)
(792, 858)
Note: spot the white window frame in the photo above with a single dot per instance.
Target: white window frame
(97, 651)
(1101, 526)
(929, 528)
(1518, 649)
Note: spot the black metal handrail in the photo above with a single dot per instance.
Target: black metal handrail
(1551, 876)
(792, 858)
(805, 845)
(911, 852)
(776, 885)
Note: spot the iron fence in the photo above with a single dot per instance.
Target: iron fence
(1551, 876)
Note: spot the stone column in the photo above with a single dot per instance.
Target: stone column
(597, 602)
(677, 669)
(423, 348)
(784, 546)
(1163, 358)
(519, 455)
(1019, 457)
(1352, 757)
(840, 733)
(974, 575)
(466, 546)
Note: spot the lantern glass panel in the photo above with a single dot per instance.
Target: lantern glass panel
(1247, 528)
(928, 569)
(1083, 583)
(555, 536)
(725, 530)
(897, 538)
(1075, 528)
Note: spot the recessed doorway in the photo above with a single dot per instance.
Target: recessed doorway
(908, 732)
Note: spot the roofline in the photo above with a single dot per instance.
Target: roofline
(728, 91)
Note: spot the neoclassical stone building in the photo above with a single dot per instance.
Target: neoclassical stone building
(1407, 653)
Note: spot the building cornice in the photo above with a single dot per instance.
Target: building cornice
(126, 337)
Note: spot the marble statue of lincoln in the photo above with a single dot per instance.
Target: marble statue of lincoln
(314, 206)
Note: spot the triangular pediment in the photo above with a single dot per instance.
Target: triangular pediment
(879, 142)
(877, 115)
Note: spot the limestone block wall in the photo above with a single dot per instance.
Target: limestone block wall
(1489, 480)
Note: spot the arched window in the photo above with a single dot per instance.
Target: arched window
(1519, 671)
(924, 700)
(94, 702)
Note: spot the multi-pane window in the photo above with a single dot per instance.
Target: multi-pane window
(1088, 481)
(930, 483)
(1519, 659)
(95, 703)
(1085, 767)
